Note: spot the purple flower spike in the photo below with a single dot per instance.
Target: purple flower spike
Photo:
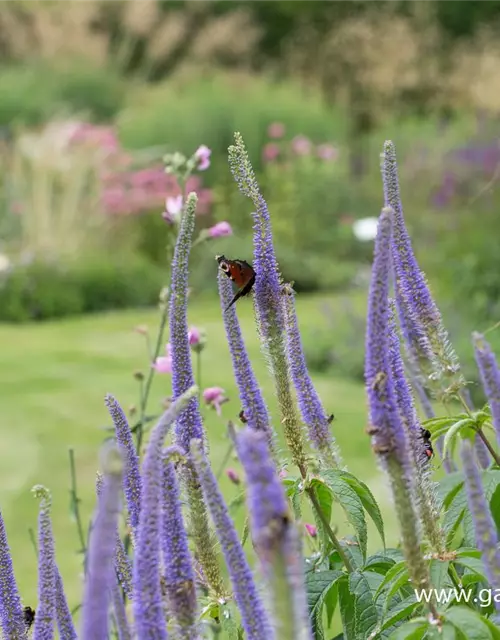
(484, 526)
(252, 401)
(490, 378)
(389, 439)
(275, 537)
(65, 624)
(179, 573)
(11, 611)
(132, 476)
(311, 408)
(253, 615)
(99, 579)
(149, 611)
(189, 424)
(121, 621)
(45, 614)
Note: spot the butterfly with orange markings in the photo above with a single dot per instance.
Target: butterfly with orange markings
(241, 273)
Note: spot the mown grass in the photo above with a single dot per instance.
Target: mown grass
(53, 380)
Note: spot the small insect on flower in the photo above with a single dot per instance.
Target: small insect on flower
(331, 418)
(425, 434)
(29, 616)
(242, 416)
(241, 273)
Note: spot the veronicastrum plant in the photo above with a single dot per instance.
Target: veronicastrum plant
(181, 569)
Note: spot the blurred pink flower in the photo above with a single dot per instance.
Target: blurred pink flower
(202, 154)
(173, 208)
(214, 396)
(283, 473)
(163, 364)
(270, 152)
(311, 530)
(276, 130)
(115, 200)
(327, 152)
(301, 146)
(194, 335)
(220, 229)
(232, 474)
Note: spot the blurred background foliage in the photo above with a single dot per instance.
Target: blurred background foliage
(92, 94)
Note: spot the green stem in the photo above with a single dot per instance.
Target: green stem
(75, 502)
(492, 451)
(225, 460)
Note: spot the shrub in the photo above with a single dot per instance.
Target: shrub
(40, 291)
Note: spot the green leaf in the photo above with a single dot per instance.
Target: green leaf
(438, 573)
(495, 507)
(469, 623)
(347, 609)
(448, 487)
(295, 493)
(227, 622)
(434, 423)
(350, 502)
(490, 480)
(318, 586)
(379, 563)
(474, 565)
(399, 611)
(368, 501)
(325, 499)
(453, 433)
(366, 615)
(455, 514)
(414, 630)
(394, 572)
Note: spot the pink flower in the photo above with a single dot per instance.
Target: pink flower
(232, 474)
(202, 154)
(276, 130)
(173, 208)
(270, 152)
(327, 152)
(301, 146)
(311, 530)
(214, 396)
(163, 364)
(194, 335)
(219, 230)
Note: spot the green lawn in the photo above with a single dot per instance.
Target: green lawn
(53, 380)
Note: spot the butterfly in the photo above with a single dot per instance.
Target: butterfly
(240, 272)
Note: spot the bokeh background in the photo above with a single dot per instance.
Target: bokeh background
(93, 94)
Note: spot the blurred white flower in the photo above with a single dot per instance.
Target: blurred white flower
(365, 229)
(4, 262)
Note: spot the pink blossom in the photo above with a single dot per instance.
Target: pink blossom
(202, 154)
(220, 229)
(311, 530)
(276, 130)
(214, 396)
(163, 364)
(173, 208)
(194, 335)
(232, 474)
(283, 473)
(270, 152)
(327, 152)
(301, 146)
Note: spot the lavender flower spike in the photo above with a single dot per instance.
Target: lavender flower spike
(274, 536)
(311, 408)
(45, 614)
(99, 579)
(149, 613)
(389, 439)
(268, 299)
(65, 624)
(132, 475)
(11, 611)
(179, 574)
(254, 618)
(189, 424)
(490, 377)
(120, 612)
(484, 527)
(252, 401)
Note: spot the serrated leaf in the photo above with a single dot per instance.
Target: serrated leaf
(474, 565)
(438, 570)
(448, 487)
(469, 623)
(490, 480)
(399, 611)
(433, 423)
(325, 499)
(414, 630)
(454, 514)
(495, 507)
(295, 493)
(228, 623)
(318, 586)
(453, 433)
(397, 584)
(366, 615)
(379, 563)
(351, 504)
(347, 609)
(368, 501)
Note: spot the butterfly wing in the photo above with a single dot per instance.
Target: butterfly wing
(241, 273)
